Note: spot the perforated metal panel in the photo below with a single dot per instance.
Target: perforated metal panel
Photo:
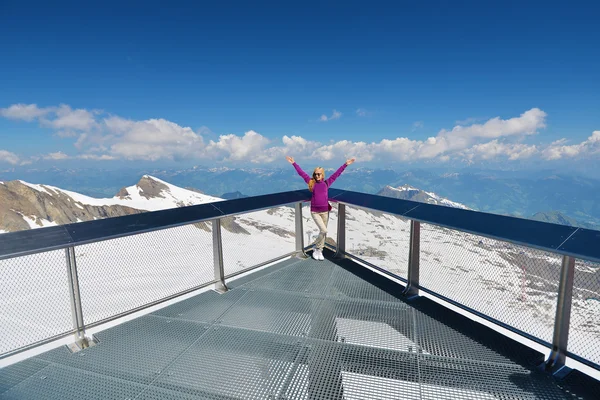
(311, 276)
(379, 238)
(213, 305)
(34, 299)
(584, 332)
(513, 284)
(238, 363)
(348, 340)
(436, 338)
(136, 351)
(253, 238)
(121, 274)
(57, 382)
(14, 374)
(275, 312)
(345, 285)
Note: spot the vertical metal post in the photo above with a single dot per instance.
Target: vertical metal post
(556, 359)
(299, 231)
(220, 285)
(412, 287)
(341, 231)
(81, 341)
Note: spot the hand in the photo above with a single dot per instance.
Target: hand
(350, 161)
(290, 159)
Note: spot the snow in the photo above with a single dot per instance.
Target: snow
(447, 202)
(441, 200)
(404, 188)
(39, 188)
(32, 221)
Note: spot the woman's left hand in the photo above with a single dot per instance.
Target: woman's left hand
(350, 161)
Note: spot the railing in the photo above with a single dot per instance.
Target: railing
(513, 272)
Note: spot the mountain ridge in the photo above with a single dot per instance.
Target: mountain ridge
(407, 192)
(25, 206)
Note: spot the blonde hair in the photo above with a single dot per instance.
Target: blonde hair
(311, 183)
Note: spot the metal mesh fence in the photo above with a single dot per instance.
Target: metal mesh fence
(253, 238)
(379, 238)
(34, 299)
(584, 331)
(122, 274)
(513, 284)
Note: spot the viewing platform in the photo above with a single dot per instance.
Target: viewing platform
(197, 311)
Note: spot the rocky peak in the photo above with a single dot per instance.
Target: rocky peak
(150, 187)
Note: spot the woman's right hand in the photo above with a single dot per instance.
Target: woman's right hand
(290, 159)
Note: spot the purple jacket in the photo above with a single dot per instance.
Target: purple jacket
(320, 195)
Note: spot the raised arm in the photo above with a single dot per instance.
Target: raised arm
(337, 173)
(303, 174)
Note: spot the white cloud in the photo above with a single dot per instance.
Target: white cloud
(103, 157)
(335, 115)
(495, 149)
(63, 118)
(462, 137)
(292, 145)
(151, 139)
(342, 150)
(99, 136)
(59, 155)
(459, 143)
(234, 148)
(361, 112)
(558, 149)
(26, 112)
(417, 125)
(7, 156)
(68, 119)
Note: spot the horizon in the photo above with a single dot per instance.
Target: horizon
(416, 86)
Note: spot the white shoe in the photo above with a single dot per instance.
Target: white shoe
(315, 254)
(320, 254)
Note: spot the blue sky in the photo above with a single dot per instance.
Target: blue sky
(449, 83)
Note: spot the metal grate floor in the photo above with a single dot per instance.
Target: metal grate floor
(302, 329)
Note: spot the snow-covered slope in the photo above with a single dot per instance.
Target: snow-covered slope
(407, 192)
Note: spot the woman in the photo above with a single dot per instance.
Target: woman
(319, 203)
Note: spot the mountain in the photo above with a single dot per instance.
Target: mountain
(517, 193)
(407, 192)
(233, 195)
(25, 206)
(556, 217)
